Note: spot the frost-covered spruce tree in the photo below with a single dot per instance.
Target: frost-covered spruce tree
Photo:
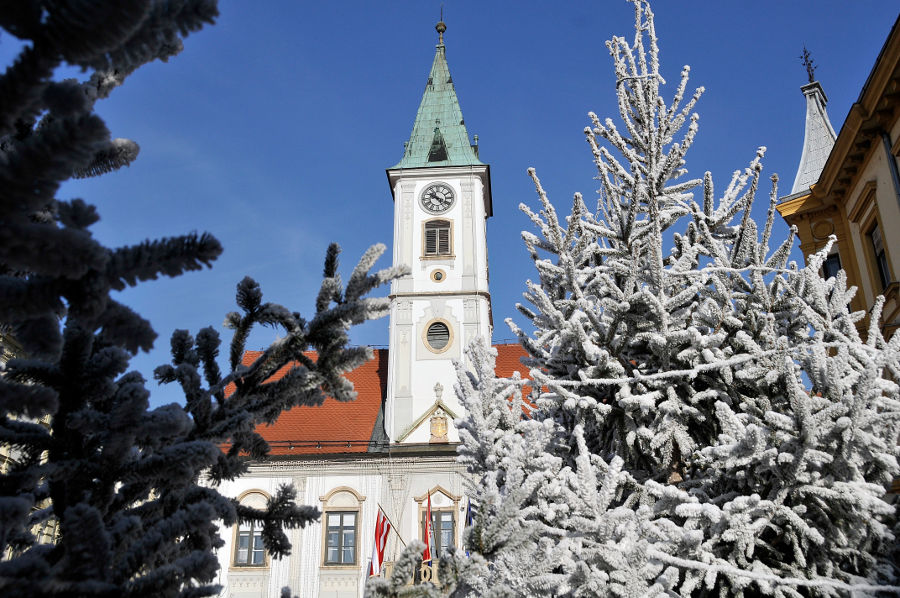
(714, 422)
(130, 492)
(504, 454)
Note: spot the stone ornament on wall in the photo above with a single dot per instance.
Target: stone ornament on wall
(470, 309)
(404, 312)
(822, 229)
(439, 427)
(438, 423)
(467, 187)
(408, 192)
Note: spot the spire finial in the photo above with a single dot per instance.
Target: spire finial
(441, 27)
(807, 60)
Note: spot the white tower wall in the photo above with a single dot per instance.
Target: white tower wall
(460, 298)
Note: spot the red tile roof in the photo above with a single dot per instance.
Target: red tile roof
(337, 427)
(509, 360)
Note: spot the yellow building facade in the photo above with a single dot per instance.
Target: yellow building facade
(848, 186)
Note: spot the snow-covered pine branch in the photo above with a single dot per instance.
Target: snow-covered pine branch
(127, 493)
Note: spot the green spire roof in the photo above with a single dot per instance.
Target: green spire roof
(439, 136)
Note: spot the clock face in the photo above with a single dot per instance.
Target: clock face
(437, 198)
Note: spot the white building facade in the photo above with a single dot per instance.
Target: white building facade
(396, 445)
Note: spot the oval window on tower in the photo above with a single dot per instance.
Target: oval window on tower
(437, 336)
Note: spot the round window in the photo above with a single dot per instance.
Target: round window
(438, 336)
(438, 275)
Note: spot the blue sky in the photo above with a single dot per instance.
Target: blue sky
(273, 129)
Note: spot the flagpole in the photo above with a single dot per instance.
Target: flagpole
(429, 536)
(393, 527)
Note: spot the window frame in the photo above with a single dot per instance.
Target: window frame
(830, 259)
(436, 513)
(341, 548)
(453, 508)
(254, 532)
(451, 337)
(882, 267)
(864, 216)
(432, 224)
(342, 507)
(424, 572)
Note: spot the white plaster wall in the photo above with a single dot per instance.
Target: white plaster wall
(302, 571)
(468, 269)
(392, 483)
(278, 568)
(460, 298)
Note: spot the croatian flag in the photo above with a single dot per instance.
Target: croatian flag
(426, 555)
(382, 529)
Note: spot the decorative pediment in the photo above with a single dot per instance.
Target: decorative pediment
(437, 411)
(438, 489)
(342, 496)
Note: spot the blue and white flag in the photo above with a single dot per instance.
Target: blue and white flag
(470, 518)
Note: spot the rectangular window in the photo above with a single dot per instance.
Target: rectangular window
(831, 266)
(880, 256)
(249, 551)
(444, 526)
(437, 237)
(340, 538)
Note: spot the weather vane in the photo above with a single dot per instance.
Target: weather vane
(806, 57)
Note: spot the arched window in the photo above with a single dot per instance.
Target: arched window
(248, 544)
(444, 506)
(340, 521)
(438, 238)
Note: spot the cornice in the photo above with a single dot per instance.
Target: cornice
(877, 109)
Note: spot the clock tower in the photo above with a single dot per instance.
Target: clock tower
(442, 200)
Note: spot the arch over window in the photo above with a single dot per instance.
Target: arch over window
(444, 523)
(340, 526)
(437, 238)
(248, 544)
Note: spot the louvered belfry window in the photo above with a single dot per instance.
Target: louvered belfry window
(437, 237)
(438, 336)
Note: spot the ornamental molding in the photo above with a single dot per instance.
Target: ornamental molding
(438, 404)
